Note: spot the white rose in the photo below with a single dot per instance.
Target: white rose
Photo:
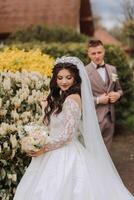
(114, 77)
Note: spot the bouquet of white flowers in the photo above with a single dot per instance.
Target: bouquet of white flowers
(33, 137)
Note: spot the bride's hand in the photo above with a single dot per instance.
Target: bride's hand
(39, 152)
(36, 153)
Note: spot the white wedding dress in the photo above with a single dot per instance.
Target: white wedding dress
(66, 172)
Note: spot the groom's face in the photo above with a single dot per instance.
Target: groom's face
(96, 54)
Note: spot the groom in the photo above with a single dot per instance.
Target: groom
(105, 87)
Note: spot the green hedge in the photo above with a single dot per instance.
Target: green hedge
(125, 108)
(48, 34)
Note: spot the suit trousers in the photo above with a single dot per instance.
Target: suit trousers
(107, 130)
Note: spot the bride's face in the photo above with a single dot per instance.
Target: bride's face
(64, 79)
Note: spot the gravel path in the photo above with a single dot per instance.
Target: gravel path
(123, 157)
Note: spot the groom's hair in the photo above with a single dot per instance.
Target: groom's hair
(95, 43)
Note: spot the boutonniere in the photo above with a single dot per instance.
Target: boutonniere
(114, 77)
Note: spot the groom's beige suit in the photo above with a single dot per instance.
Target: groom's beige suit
(105, 112)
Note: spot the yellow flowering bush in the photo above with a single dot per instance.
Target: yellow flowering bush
(18, 60)
(24, 81)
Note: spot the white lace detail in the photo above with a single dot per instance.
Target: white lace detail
(64, 126)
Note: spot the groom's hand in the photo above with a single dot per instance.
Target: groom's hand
(113, 96)
(103, 99)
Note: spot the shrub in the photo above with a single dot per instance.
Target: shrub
(45, 33)
(20, 95)
(18, 60)
(124, 110)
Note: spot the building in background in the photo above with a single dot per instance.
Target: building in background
(16, 14)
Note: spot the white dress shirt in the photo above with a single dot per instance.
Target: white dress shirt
(101, 71)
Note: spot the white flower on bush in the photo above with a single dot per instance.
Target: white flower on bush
(17, 76)
(13, 152)
(13, 141)
(7, 103)
(13, 177)
(2, 131)
(37, 95)
(6, 128)
(12, 127)
(0, 102)
(16, 102)
(19, 122)
(38, 84)
(31, 99)
(3, 112)
(26, 114)
(34, 76)
(46, 81)
(37, 116)
(34, 92)
(7, 84)
(14, 115)
(23, 93)
(5, 145)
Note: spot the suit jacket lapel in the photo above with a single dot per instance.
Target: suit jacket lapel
(109, 72)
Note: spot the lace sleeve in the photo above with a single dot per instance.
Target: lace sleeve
(71, 111)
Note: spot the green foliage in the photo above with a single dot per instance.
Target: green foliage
(128, 31)
(125, 108)
(129, 28)
(45, 33)
(9, 168)
(55, 49)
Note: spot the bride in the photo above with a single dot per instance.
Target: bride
(65, 169)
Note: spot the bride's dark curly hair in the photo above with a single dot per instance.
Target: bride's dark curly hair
(56, 98)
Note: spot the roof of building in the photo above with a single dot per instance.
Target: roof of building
(106, 38)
